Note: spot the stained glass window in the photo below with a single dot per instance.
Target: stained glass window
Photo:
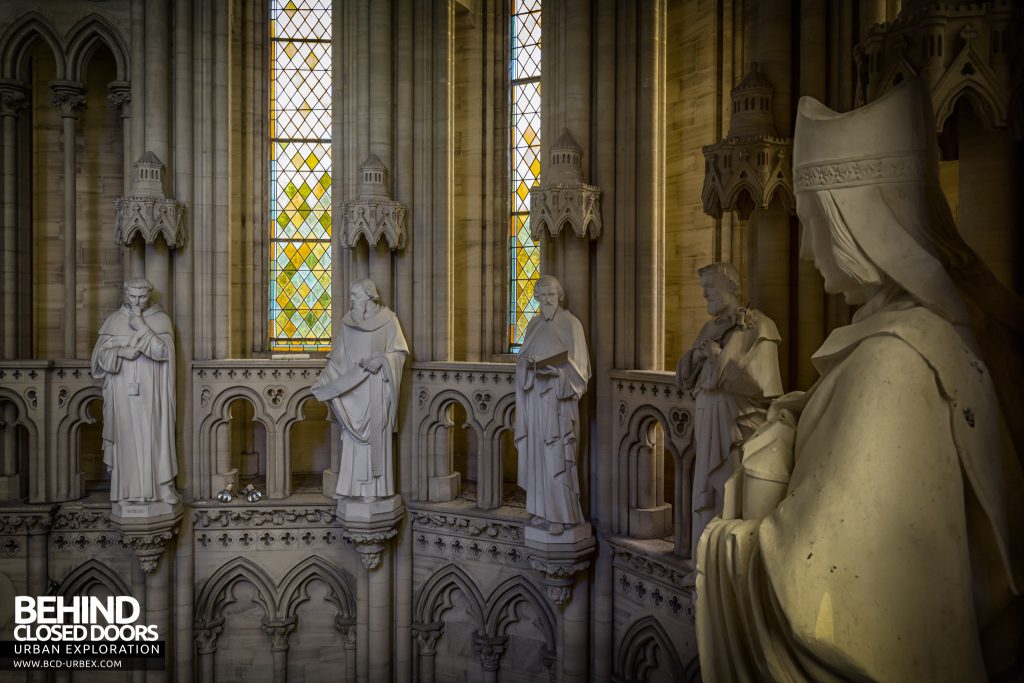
(300, 175)
(524, 73)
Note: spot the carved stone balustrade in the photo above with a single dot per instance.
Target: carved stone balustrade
(486, 391)
(277, 390)
(653, 420)
(52, 402)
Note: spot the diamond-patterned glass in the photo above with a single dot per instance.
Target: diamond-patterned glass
(300, 175)
(524, 142)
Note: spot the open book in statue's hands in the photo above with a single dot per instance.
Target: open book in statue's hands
(331, 383)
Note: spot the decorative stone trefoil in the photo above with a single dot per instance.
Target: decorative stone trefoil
(751, 167)
(147, 211)
(563, 200)
(373, 213)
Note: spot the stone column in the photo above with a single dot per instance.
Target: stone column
(279, 630)
(134, 255)
(347, 627)
(575, 653)
(206, 635)
(489, 649)
(158, 606)
(427, 636)
(12, 98)
(379, 622)
(69, 97)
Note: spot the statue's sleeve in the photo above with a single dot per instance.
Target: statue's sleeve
(105, 360)
(396, 351)
(863, 572)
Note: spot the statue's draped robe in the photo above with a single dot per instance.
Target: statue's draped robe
(547, 417)
(138, 405)
(732, 395)
(365, 403)
(896, 550)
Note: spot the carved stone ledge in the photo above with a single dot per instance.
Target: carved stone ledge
(468, 526)
(148, 536)
(250, 518)
(370, 525)
(563, 200)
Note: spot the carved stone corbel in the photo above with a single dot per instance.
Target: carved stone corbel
(148, 536)
(560, 563)
(369, 525)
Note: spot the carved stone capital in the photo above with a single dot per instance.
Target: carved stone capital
(370, 545)
(426, 636)
(560, 564)
(69, 97)
(206, 635)
(347, 627)
(279, 630)
(121, 97)
(489, 649)
(13, 97)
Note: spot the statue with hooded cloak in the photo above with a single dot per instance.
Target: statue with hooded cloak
(134, 356)
(361, 382)
(875, 528)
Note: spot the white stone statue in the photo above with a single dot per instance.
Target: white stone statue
(875, 529)
(134, 356)
(361, 382)
(552, 372)
(732, 370)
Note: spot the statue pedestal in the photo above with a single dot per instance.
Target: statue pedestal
(560, 558)
(149, 509)
(369, 524)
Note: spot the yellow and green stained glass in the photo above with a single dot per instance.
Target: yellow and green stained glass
(300, 175)
(524, 72)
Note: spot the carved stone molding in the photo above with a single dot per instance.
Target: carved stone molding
(279, 630)
(69, 97)
(471, 527)
(25, 521)
(752, 166)
(13, 97)
(489, 649)
(480, 550)
(147, 212)
(373, 214)
(563, 200)
(83, 519)
(249, 518)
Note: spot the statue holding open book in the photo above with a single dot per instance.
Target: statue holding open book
(361, 382)
(552, 372)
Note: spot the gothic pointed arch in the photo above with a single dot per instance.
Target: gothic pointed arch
(644, 648)
(435, 596)
(216, 592)
(19, 39)
(89, 574)
(295, 586)
(82, 40)
(504, 603)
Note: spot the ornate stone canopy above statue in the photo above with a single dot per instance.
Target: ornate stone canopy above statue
(147, 212)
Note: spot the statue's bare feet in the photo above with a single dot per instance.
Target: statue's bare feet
(556, 529)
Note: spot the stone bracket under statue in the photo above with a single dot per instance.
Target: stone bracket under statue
(147, 528)
(560, 558)
(370, 524)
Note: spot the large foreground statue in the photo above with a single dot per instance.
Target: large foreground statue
(732, 370)
(879, 540)
(552, 372)
(134, 356)
(361, 381)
